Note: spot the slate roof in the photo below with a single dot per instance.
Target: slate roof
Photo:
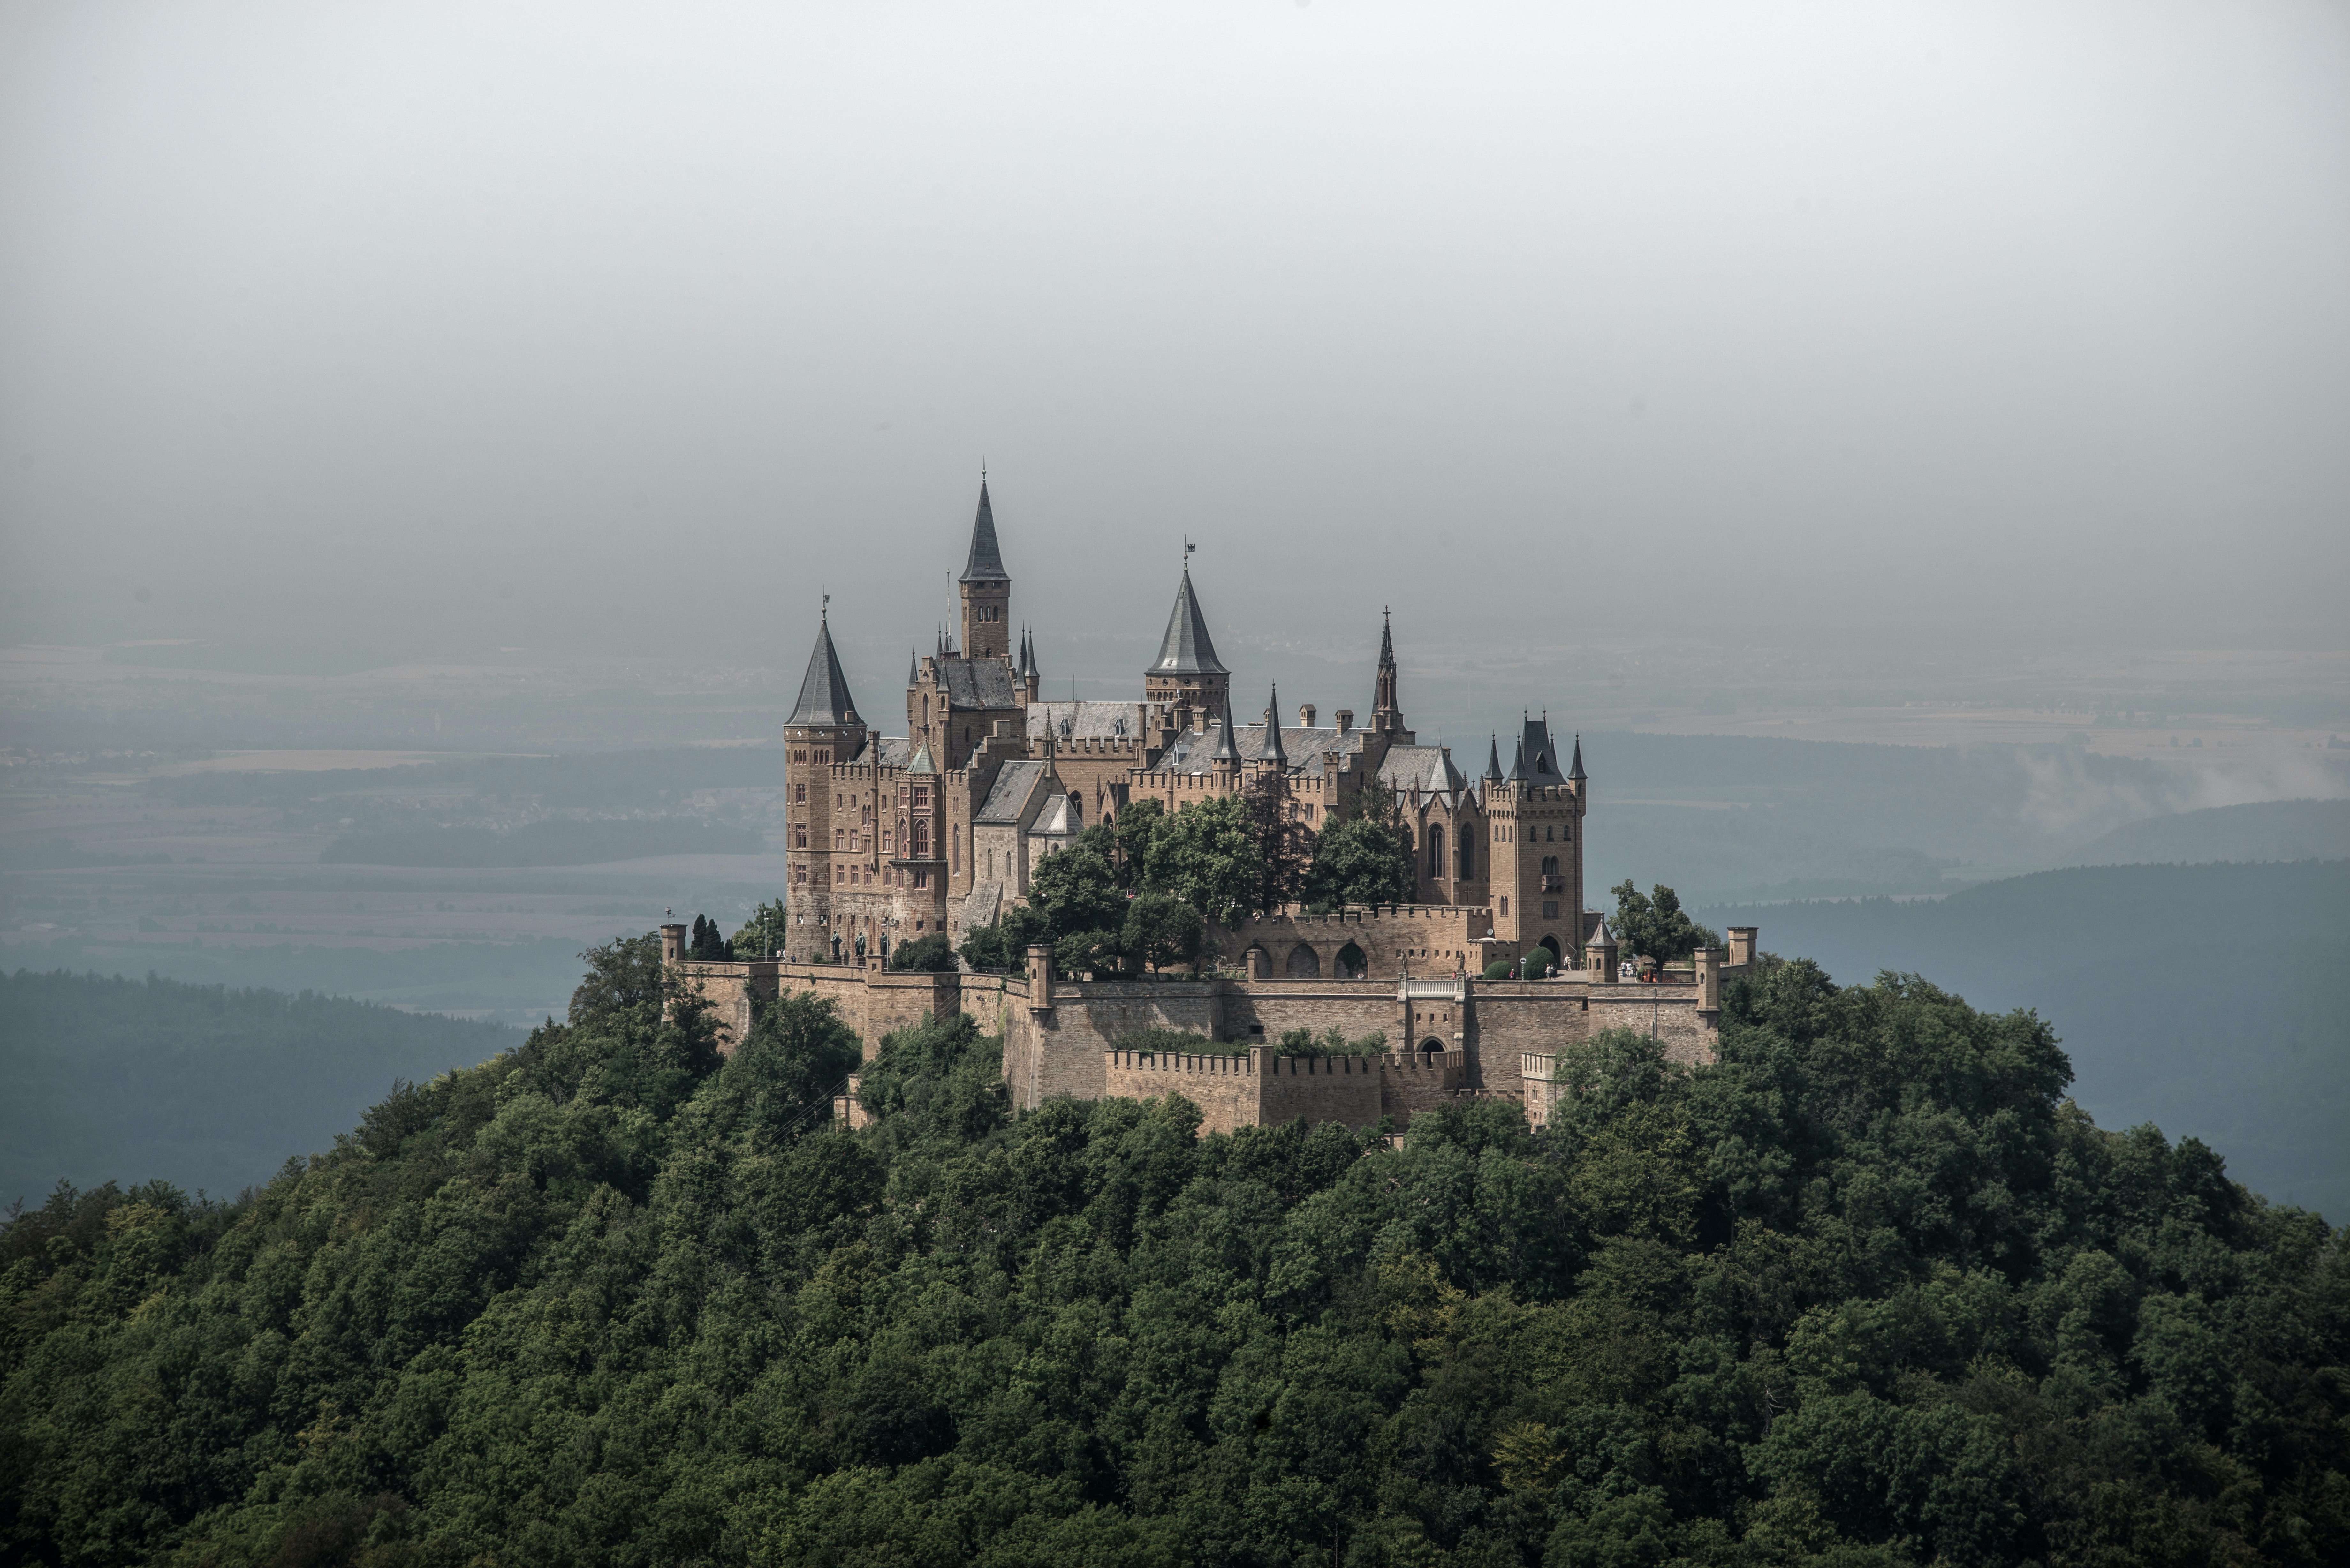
(1575, 773)
(978, 683)
(1186, 649)
(1424, 768)
(982, 905)
(825, 702)
(1272, 752)
(1494, 759)
(883, 752)
(1086, 721)
(1601, 937)
(1311, 752)
(1009, 797)
(1539, 754)
(986, 563)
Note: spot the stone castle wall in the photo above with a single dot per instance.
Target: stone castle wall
(1061, 1037)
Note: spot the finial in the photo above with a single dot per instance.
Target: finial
(824, 611)
(1187, 548)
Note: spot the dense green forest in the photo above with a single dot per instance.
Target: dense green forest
(2205, 999)
(206, 1086)
(1871, 1290)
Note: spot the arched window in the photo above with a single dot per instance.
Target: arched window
(1468, 857)
(1550, 865)
(1434, 852)
(921, 839)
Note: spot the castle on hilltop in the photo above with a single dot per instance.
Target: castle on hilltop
(893, 839)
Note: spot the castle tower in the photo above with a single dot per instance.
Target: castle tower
(1186, 676)
(1226, 757)
(823, 732)
(986, 588)
(1536, 816)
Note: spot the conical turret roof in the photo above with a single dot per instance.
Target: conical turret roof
(1186, 648)
(825, 702)
(1601, 937)
(1518, 765)
(986, 563)
(913, 668)
(1227, 749)
(1494, 759)
(1272, 752)
(1575, 775)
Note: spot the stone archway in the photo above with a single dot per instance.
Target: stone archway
(1431, 1046)
(1351, 963)
(1304, 963)
(1551, 943)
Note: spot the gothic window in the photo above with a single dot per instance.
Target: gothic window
(1435, 852)
(840, 838)
(1468, 857)
(799, 794)
(1550, 865)
(921, 839)
(922, 798)
(799, 836)
(1506, 905)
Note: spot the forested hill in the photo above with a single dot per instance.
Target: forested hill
(204, 1085)
(1871, 1292)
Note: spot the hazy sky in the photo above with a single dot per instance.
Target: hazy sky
(451, 325)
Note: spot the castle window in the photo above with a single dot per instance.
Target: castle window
(840, 838)
(799, 794)
(922, 798)
(921, 839)
(799, 836)
(921, 879)
(1506, 905)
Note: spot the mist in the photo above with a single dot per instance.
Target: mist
(433, 329)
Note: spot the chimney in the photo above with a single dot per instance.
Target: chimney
(1346, 717)
(1305, 715)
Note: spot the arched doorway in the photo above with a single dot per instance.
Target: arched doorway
(1431, 1046)
(1304, 963)
(1352, 964)
(1550, 944)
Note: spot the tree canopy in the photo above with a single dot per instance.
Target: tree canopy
(1656, 926)
(1870, 1292)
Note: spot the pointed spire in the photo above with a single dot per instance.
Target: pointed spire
(1601, 937)
(986, 563)
(1227, 750)
(1575, 775)
(1186, 649)
(1494, 759)
(1272, 752)
(1518, 765)
(913, 666)
(825, 702)
(1387, 639)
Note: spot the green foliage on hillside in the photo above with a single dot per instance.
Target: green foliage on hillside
(1657, 927)
(1871, 1292)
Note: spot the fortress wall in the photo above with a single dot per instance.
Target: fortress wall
(1320, 1088)
(1227, 1089)
(1432, 939)
(1061, 1048)
(1669, 1012)
(904, 998)
(1518, 1015)
(728, 987)
(1410, 1083)
(1275, 1007)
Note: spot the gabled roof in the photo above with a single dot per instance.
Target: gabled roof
(1423, 768)
(825, 702)
(1186, 649)
(975, 684)
(1086, 721)
(1014, 782)
(1061, 818)
(986, 563)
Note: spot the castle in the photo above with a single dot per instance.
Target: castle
(893, 839)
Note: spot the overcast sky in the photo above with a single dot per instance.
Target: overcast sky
(631, 326)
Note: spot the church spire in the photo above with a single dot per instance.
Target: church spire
(1387, 708)
(985, 587)
(986, 562)
(1270, 752)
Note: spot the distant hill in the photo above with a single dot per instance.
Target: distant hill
(2274, 830)
(115, 1079)
(2207, 999)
